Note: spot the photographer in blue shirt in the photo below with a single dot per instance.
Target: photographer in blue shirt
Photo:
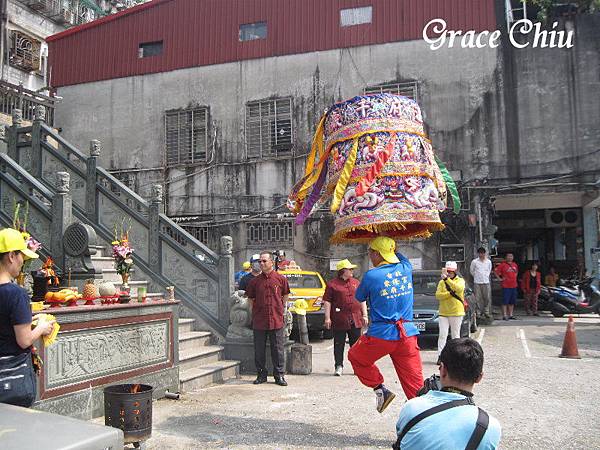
(445, 416)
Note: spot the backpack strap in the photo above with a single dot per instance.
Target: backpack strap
(436, 409)
(483, 420)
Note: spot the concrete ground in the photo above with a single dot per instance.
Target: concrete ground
(542, 401)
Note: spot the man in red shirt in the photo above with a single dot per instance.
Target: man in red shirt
(343, 313)
(268, 294)
(507, 272)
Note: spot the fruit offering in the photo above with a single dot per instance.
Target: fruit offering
(62, 296)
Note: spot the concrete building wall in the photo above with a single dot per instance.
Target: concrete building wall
(558, 98)
(127, 115)
(463, 94)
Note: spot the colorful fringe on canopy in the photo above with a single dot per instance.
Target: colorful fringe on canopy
(370, 155)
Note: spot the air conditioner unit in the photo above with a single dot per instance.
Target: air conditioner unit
(563, 218)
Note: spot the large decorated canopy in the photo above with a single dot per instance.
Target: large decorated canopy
(371, 157)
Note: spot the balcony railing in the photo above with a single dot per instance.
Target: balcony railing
(66, 13)
(13, 96)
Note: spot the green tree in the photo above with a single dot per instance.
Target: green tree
(547, 7)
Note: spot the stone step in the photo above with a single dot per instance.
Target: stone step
(101, 250)
(111, 274)
(103, 262)
(186, 325)
(199, 377)
(200, 356)
(194, 340)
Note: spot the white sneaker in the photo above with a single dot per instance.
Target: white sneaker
(339, 370)
(384, 397)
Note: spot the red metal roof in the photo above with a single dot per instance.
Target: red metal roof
(206, 32)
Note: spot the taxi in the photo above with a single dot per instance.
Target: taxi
(308, 286)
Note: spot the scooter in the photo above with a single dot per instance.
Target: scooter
(546, 296)
(565, 302)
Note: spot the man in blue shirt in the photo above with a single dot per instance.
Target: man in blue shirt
(461, 367)
(246, 269)
(389, 292)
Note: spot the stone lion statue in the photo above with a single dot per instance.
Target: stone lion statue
(240, 316)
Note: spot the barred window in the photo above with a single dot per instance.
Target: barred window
(24, 51)
(200, 232)
(406, 88)
(356, 16)
(129, 179)
(186, 136)
(269, 233)
(269, 128)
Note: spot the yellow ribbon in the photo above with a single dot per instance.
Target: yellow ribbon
(340, 188)
(315, 151)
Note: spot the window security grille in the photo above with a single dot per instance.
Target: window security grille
(200, 232)
(186, 136)
(269, 128)
(356, 16)
(85, 14)
(129, 179)
(406, 88)
(269, 233)
(24, 51)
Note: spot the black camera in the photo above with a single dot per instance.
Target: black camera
(433, 383)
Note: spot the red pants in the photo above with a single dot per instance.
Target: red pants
(405, 356)
(531, 302)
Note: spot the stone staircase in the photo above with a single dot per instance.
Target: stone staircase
(201, 362)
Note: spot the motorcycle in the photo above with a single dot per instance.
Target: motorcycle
(566, 288)
(582, 298)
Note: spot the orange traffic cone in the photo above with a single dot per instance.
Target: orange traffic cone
(569, 349)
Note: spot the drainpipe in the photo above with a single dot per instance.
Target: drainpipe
(3, 22)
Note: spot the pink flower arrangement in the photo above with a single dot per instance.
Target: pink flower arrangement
(122, 252)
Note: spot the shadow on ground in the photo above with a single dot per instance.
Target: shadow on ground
(250, 431)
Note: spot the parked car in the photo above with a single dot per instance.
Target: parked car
(309, 286)
(425, 310)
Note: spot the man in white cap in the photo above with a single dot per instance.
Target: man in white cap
(343, 314)
(254, 272)
(388, 290)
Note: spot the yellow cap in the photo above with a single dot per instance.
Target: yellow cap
(12, 240)
(246, 265)
(300, 306)
(386, 247)
(345, 264)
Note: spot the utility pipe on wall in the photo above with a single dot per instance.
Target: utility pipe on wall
(3, 27)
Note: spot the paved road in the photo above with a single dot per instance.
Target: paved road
(542, 401)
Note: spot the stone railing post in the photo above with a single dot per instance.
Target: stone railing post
(154, 249)
(226, 280)
(62, 216)
(91, 198)
(39, 115)
(12, 136)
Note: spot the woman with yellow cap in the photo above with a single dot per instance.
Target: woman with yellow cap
(451, 295)
(343, 313)
(17, 378)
